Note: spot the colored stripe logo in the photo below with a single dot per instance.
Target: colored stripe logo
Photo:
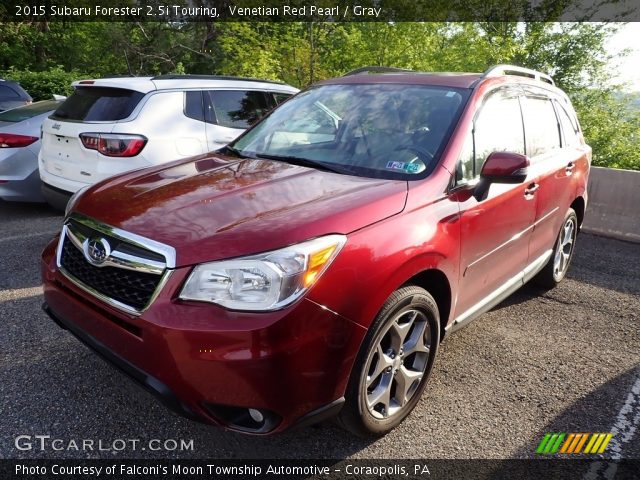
(574, 443)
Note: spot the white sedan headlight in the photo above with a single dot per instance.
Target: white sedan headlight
(267, 281)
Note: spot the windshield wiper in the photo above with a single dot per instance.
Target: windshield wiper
(305, 162)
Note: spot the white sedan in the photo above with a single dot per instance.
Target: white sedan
(19, 147)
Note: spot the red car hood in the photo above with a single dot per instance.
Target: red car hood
(209, 208)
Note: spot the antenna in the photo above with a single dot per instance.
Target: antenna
(126, 57)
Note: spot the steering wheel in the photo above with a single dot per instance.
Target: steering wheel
(424, 155)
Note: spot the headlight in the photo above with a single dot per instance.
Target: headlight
(74, 198)
(267, 281)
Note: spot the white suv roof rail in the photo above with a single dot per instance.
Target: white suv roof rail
(173, 76)
(499, 70)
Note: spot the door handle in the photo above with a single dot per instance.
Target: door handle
(569, 168)
(530, 190)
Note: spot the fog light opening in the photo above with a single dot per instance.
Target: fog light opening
(245, 419)
(256, 415)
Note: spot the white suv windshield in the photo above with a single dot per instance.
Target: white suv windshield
(376, 130)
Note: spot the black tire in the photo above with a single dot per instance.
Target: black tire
(411, 310)
(550, 276)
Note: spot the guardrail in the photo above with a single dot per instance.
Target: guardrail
(613, 209)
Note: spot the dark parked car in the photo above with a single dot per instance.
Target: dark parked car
(12, 95)
(312, 267)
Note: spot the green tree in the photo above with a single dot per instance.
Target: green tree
(301, 53)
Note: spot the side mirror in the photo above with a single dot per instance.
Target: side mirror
(501, 167)
(505, 167)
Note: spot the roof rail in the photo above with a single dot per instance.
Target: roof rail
(376, 69)
(172, 76)
(499, 70)
(116, 75)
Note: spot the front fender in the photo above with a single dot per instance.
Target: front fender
(379, 259)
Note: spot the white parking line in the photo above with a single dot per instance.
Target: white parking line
(627, 420)
(18, 293)
(29, 235)
(623, 430)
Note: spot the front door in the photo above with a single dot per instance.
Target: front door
(495, 231)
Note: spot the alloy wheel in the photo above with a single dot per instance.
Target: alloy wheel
(396, 367)
(564, 249)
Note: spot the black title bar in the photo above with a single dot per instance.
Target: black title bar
(549, 469)
(183, 11)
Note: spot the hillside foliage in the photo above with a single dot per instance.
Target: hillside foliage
(45, 57)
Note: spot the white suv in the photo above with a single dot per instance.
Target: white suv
(113, 125)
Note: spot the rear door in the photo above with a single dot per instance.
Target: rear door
(228, 113)
(553, 162)
(87, 110)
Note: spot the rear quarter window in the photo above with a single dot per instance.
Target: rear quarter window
(98, 104)
(570, 134)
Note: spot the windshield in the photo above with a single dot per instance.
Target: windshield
(24, 113)
(377, 130)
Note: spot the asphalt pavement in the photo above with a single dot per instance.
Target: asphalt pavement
(567, 360)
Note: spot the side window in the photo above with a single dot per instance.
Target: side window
(570, 136)
(8, 92)
(498, 127)
(235, 108)
(271, 100)
(193, 107)
(541, 123)
(281, 97)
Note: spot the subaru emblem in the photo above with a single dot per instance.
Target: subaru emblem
(96, 250)
(56, 126)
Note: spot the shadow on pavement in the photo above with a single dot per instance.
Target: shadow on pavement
(607, 263)
(25, 211)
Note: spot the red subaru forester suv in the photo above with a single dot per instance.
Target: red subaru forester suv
(311, 268)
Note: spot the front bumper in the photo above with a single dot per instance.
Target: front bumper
(149, 383)
(208, 363)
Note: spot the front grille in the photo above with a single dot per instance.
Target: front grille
(129, 287)
(114, 242)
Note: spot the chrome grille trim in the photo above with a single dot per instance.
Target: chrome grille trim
(168, 252)
(117, 259)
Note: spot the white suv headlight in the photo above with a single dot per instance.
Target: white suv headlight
(267, 281)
